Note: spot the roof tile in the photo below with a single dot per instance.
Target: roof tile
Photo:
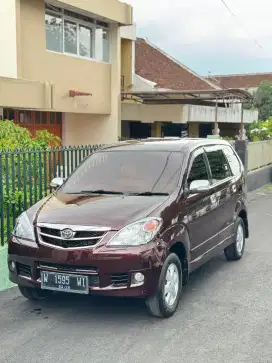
(153, 64)
(242, 80)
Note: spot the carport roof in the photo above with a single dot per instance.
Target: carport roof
(202, 97)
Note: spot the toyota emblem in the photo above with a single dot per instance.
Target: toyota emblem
(67, 233)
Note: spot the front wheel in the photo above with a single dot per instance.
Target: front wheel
(33, 293)
(165, 302)
(235, 251)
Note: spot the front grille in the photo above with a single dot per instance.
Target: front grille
(23, 270)
(81, 237)
(69, 243)
(119, 279)
(61, 267)
(79, 234)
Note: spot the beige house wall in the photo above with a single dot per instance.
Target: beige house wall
(112, 10)
(86, 129)
(64, 72)
(45, 78)
(152, 113)
(126, 62)
(89, 129)
(20, 93)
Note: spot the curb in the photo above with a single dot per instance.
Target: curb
(4, 280)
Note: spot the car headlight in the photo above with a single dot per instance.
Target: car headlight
(137, 233)
(23, 228)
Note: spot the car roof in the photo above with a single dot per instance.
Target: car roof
(163, 144)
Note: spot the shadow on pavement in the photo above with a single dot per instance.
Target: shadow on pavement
(96, 307)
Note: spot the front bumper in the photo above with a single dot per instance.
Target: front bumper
(109, 270)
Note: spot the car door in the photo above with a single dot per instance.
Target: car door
(198, 206)
(220, 195)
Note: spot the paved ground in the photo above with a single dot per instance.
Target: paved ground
(225, 316)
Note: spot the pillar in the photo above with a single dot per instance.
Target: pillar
(156, 129)
(241, 147)
(193, 129)
(114, 119)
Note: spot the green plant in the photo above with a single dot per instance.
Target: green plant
(44, 138)
(15, 137)
(260, 130)
(227, 138)
(24, 169)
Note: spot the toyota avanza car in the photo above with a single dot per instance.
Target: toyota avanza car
(134, 219)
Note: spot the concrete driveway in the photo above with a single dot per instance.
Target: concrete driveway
(225, 316)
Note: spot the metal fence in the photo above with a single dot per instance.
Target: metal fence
(25, 179)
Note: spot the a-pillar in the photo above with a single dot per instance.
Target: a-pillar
(156, 129)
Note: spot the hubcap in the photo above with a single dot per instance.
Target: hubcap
(240, 239)
(171, 286)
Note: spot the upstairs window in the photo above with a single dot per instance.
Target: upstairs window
(74, 34)
(54, 32)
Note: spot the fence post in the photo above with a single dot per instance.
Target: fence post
(241, 147)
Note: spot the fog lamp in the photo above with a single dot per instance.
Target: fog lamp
(137, 279)
(12, 266)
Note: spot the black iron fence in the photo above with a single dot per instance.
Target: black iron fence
(25, 179)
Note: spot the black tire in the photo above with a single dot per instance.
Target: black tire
(235, 251)
(34, 294)
(156, 304)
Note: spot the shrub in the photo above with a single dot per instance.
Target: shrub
(15, 137)
(24, 169)
(260, 130)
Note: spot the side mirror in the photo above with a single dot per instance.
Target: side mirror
(199, 186)
(56, 183)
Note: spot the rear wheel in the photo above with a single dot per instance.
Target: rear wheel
(166, 300)
(34, 294)
(235, 251)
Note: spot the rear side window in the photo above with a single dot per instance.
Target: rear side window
(219, 165)
(198, 170)
(234, 163)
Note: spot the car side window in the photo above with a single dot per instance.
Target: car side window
(234, 163)
(219, 165)
(198, 170)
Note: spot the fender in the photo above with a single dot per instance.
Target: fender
(177, 237)
(241, 209)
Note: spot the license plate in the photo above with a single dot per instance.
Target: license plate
(64, 282)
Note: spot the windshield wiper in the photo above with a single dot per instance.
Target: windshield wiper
(98, 191)
(150, 194)
(114, 192)
(101, 191)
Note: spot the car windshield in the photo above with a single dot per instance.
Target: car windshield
(128, 172)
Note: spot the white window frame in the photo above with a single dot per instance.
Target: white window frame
(78, 22)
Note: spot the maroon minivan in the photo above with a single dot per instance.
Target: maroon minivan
(134, 219)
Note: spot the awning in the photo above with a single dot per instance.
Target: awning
(206, 97)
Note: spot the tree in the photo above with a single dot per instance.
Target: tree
(263, 100)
